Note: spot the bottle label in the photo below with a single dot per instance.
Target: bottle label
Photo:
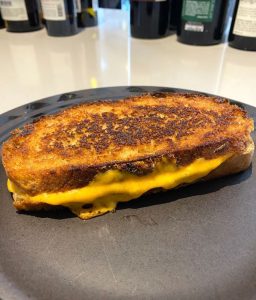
(198, 10)
(245, 23)
(14, 10)
(78, 6)
(53, 10)
(198, 27)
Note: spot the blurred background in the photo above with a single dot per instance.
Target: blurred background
(50, 47)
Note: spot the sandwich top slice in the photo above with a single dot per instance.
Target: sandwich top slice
(91, 156)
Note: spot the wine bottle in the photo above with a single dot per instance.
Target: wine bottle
(21, 15)
(1, 21)
(243, 29)
(86, 15)
(150, 19)
(202, 21)
(175, 13)
(60, 17)
(113, 4)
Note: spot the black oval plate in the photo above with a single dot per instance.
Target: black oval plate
(198, 242)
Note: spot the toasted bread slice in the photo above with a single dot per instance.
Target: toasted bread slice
(66, 151)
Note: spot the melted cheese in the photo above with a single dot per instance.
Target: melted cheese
(113, 186)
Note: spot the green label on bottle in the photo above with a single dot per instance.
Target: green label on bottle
(198, 10)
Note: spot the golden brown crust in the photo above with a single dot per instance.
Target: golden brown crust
(66, 150)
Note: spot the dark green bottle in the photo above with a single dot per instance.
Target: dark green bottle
(150, 19)
(175, 13)
(113, 4)
(202, 21)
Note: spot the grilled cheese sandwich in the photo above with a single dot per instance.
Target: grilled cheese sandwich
(93, 189)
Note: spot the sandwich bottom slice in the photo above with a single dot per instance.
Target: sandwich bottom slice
(108, 188)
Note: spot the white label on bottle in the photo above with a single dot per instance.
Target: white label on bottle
(78, 6)
(245, 24)
(14, 10)
(53, 10)
(194, 27)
